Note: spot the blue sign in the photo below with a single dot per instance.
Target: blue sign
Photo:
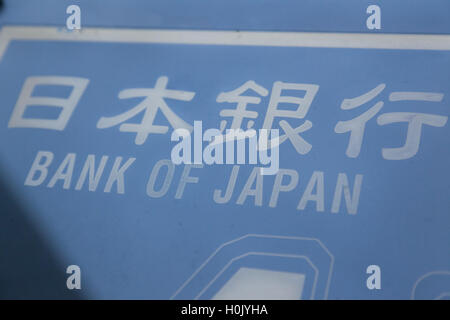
(356, 206)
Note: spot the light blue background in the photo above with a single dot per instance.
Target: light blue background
(133, 246)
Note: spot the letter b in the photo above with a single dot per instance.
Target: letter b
(39, 167)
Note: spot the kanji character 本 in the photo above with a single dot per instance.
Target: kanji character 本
(67, 105)
(153, 101)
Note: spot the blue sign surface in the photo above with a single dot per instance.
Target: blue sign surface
(363, 178)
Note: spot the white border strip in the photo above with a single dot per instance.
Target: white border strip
(228, 38)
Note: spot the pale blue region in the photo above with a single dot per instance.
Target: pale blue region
(133, 246)
(413, 16)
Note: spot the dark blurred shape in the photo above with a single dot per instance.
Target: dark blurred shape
(28, 268)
